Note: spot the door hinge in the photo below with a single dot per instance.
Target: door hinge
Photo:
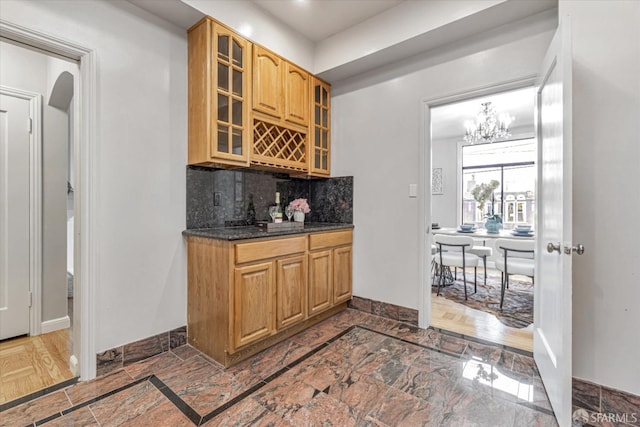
(30, 125)
(30, 299)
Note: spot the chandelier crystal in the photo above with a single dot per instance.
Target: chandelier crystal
(489, 125)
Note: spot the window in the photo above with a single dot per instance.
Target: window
(508, 170)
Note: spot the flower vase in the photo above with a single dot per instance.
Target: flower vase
(492, 226)
(298, 216)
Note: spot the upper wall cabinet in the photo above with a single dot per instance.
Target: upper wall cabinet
(320, 129)
(248, 106)
(219, 91)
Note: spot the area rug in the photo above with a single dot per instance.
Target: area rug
(517, 310)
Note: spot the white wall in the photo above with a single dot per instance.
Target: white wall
(141, 144)
(606, 147)
(15, 60)
(266, 29)
(376, 138)
(444, 207)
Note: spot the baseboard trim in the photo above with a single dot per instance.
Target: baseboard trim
(599, 405)
(111, 360)
(384, 309)
(55, 324)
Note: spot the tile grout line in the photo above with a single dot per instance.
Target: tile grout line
(176, 400)
(273, 376)
(64, 412)
(32, 396)
(179, 403)
(483, 341)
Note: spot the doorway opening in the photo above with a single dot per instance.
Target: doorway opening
(477, 181)
(38, 351)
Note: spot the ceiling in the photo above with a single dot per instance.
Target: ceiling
(447, 121)
(319, 19)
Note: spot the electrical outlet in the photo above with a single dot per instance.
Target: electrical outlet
(217, 198)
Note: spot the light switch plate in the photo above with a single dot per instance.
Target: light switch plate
(413, 190)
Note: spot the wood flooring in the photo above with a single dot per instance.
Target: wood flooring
(456, 317)
(29, 364)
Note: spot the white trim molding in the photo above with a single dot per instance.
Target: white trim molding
(424, 176)
(85, 192)
(55, 324)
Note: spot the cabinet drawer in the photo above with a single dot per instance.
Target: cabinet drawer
(327, 240)
(254, 251)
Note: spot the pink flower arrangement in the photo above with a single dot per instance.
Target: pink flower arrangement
(300, 205)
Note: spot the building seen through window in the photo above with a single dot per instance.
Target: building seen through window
(509, 167)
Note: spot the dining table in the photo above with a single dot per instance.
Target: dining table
(482, 233)
(482, 238)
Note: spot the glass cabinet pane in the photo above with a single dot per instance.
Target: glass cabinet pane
(325, 138)
(324, 118)
(237, 82)
(316, 141)
(236, 112)
(223, 77)
(317, 115)
(236, 141)
(325, 98)
(223, 108)
(229, 62)
(317, 94)
(237, 54)
(223, 139)
(324, 160)
(316, 160)
(223, 47)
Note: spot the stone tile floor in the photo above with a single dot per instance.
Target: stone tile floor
(354, 369)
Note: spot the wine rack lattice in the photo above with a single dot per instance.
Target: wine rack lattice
(275, 145)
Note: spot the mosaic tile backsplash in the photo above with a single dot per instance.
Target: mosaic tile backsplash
(218, 197)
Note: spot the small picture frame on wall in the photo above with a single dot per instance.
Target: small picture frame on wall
(436, 181)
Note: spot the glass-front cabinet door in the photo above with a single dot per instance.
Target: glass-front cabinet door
(231, 129)
(320, 132)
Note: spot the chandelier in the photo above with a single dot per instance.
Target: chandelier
(489, 125)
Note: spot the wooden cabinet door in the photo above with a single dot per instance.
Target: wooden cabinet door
(320, 277)
(291, 285)
(320, 129)
(230, 103)
(253, 307)
(267, 82)
(296, 92)
(342, 274)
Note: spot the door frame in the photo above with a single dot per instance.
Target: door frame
(35, 203)
(86, 173)
(424, 208)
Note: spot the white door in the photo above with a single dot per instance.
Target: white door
(15, 139)
(552, 312)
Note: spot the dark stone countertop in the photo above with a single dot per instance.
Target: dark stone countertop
(253, 232)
